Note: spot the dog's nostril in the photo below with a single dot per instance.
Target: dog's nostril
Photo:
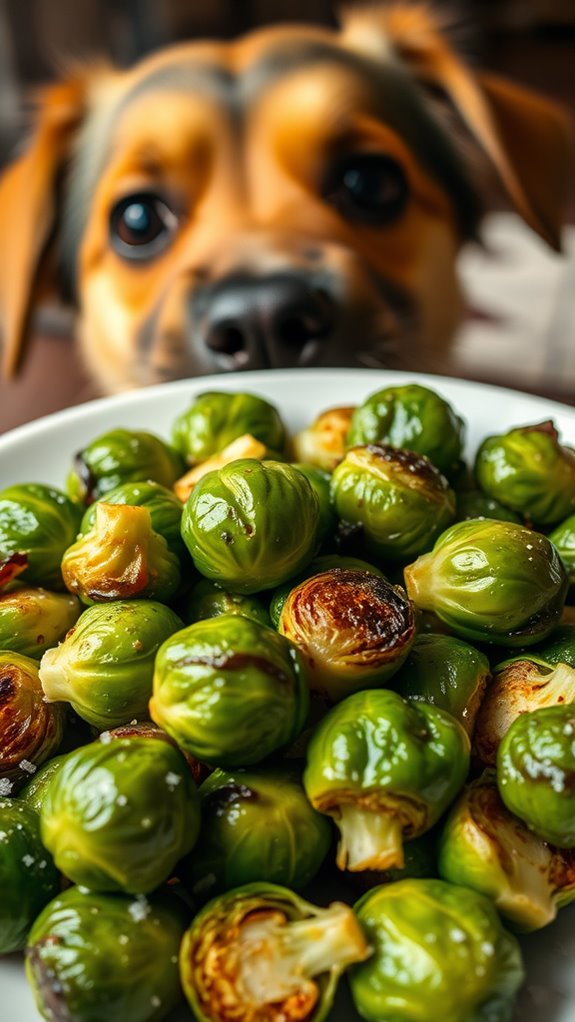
(294, 331)
(227, 339)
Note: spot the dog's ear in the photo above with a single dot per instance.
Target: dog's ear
(527, 139)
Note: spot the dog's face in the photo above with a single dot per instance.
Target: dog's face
(295, 198)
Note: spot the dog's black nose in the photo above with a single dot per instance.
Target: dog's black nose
(256, 322)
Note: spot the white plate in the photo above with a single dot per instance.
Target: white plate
(42, 451)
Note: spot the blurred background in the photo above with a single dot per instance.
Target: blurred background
(521, 326)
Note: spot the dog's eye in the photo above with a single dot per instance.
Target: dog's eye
(368, 188)
(141, 226)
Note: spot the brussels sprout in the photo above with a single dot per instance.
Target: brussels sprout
(30, 729)
(32, 620)
(559, 648)
(244, 447)
(251, 525)
(412, 417)
(353, 629)
(420, 861)
(491, 581)
(216, 418)
(229, 690)
(319, 564)
(37, 523)
(105, 666)
(563, 537)
(164, 507)
(446, 672)
(147, 729)
(106, 956)
(386, 770)
(255, 826)
(485, 847)
(475, 504)
(262, 952)
(118, 815)
(28, 877)
(323, 443)
(320, 481)
(400, 500)
(536, 772)
(440, 952)
(34, 792)
(529, 471)
(121, 558)
(122, 456)
(208, 599)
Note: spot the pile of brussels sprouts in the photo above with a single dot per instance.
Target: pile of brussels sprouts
(346, 658)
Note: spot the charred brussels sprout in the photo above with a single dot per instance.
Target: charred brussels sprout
(385, 770)
(164, 507)
(208, 599)
(30, 729)
(412, 417)
(103, 956)
(439, 952)
(316, 567)
(122, 456)
(399, 499)
(37, 524)
(251, 525)
(229, 690)
(475, 504)
(105, 666)
(28, 877)
(492, 582)
(261, 952)
(529, 471)
(32, 620)
(118, 815)
(217, 418)
(323, 443)
(353, 628)
(563, 537)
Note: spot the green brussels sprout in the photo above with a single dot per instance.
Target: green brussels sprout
(414, 418)
(251, 525)
(255, 826)
(558, 648)
(37, 523)
(229, 690)
(147, 729)
(491, 581)
(324, 563)
(105, 666)
(217, 418)
(28, 877)
(320, 481)
(323, 443)
(118, 815)
(122, 456)
(122, 558)
(262, 952)
(164, 507)
(30, 729)
(32, 620)
(446, 672)
(207, 599)
(440, 952)
(475, 504)
(34, 792)
(353, 629)
(400, 500)
(563, 537)
(385, 770)
(485, 847)
(529, 471)
(106, 956)
(536, 772)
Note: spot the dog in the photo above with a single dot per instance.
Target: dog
(297, 197)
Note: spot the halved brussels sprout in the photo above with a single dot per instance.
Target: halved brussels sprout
(216, 418)
(229, 690)
(491, 581)
(37, 523)
(122, 456)
(439, 952)
(106, 956)
(164, 507)
(105, 666)
(33, 620)
(475, 504)
(262, 952)
(30, 729)
(323, 443)
(353, 629)
(319, 564)
(208, 599)
(28, 877)
(385, 770)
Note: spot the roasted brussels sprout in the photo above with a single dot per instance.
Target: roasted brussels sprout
(105, 666)
(324, 563)
(485, 847)
(420, 861)
(147, 729)
(563, 537)
(261, 952)
(385, 770)
(28, 877)
(353, 628)
(251, 525)
(229, 690)
(536, 772)
(412, 417)
(323, 443)
(30, 729)
(37, 523)
(122, 558)
(122, 456)
(529, 471)
(491, 581)
(559, 648)
(106, 956)
(439, 952)
(164, 507)
(320, 481)
(399, 499)
(216, 418)
(208, 599)
(34, 792)
(245, 446)
(118, 815)
(32, 620)
(475, 504)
